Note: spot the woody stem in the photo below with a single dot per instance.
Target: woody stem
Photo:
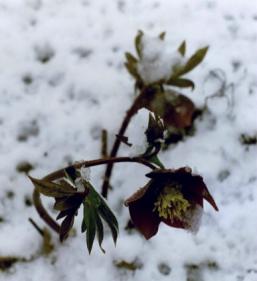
(139, 101)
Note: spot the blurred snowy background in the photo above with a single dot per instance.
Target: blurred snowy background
(62, 80)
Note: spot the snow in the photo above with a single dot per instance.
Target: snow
(158, 60)
(62, 80)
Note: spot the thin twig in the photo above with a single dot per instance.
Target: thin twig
(130, 113)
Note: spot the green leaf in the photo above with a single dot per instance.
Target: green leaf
(110, 219)
(83, 226)
(138, 43)
(89, 218)
(51, 189)
(194, 60)
(181, 83)
(99, 231)
(182, 48)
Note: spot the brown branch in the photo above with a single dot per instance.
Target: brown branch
(60, 173)
(130, 113)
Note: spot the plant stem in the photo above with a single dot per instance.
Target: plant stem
(130, 113)
(60, 173)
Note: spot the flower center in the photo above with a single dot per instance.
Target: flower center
(171, 203)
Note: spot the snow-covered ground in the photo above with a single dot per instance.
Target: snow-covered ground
(62, 80)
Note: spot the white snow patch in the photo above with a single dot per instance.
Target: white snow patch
(158, 60)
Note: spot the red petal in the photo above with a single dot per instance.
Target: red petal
(136, 196)
(207, 196)
(143, 217)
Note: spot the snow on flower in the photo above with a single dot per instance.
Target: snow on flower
(158, 60)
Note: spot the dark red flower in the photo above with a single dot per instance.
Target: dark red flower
(174, 197)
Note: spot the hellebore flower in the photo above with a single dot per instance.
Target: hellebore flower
(174, 197)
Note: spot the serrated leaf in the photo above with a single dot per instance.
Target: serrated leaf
(193, 61)
(181, 83)
(89, 218)
(51, 189)
(182, 48)
(99, 231)
(138, 43)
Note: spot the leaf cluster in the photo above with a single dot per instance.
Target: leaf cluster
(68, 200)
(95, 212)
(176, 77)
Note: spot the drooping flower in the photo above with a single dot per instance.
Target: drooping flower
(173, 196)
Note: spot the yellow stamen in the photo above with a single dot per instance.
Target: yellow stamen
(171, 203)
